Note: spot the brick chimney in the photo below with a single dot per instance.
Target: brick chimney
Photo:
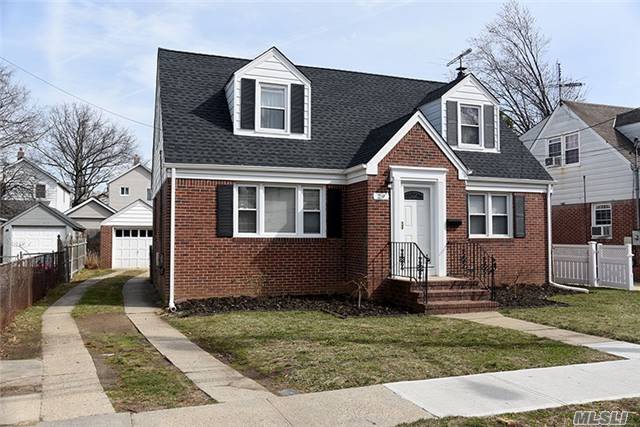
(20, 153)
(136, 159)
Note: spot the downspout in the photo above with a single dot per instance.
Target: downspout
(172, 242)
(550, 252)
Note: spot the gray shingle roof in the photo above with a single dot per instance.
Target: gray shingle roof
(628, 118)
(353, 115)
(601, 118)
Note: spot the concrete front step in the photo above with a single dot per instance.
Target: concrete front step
(463, 306)
(453, 284)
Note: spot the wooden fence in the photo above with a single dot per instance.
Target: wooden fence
(26, 280)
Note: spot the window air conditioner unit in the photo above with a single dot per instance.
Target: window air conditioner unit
(601, 231)
(553, 161)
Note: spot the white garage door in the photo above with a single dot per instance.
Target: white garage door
(131, 247)
(32, 240)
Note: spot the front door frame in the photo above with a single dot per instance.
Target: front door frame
(436, 180)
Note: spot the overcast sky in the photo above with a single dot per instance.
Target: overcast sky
(105, 52)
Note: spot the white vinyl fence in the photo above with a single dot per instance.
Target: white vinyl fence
(594, 264)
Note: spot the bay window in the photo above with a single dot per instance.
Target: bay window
(284, 210)
(489, 215)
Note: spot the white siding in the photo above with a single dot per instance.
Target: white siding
(157, 161)
(56, 196)
(271, 69)
(433, 112)
(468, 91)
(137, 179)
(138, 214)
(608, 173)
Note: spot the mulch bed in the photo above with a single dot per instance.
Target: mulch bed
(528, 296)
(339, 306)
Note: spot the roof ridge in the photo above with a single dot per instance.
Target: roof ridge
(597, 104)
(305, 66)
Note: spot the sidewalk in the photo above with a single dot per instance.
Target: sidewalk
(218, 380)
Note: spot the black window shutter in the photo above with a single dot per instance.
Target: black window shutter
(489, 126)
(334, 212)
(224, 210)
(452, 122)
(247, 103)
(297, 108)
(519, 229)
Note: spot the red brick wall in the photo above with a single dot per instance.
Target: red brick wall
(522, 260)
(161, 238)
(571, 224)
(207, 266)
(105, 246)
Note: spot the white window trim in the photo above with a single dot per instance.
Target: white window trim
(488, 216)
(480, 108)
(260, 203)
(122, 193)
(593, 220)
(287, 109)
(563, 150)
(35, 190)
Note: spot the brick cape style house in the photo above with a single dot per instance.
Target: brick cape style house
(589, 150)
(271, 178)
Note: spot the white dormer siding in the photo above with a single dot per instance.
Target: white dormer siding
(469, 91)
(271, 69)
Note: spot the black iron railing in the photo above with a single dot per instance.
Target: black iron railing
(469, 259)
(408, 261)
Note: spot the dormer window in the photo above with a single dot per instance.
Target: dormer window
(470, 125)
(273, 107)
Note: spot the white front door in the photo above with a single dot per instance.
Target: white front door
(131, 247)
(415, 220)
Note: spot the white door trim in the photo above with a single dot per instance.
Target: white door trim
(436, 180)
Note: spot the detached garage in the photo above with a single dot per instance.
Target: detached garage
(126, 237)
(36, 231)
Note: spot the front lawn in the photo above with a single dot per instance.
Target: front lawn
(604, 312)
(315, 351)
(562, 416)
(21, 339)
(132, 372)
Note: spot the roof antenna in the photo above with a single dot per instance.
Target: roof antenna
(460, 69)
(561, 84)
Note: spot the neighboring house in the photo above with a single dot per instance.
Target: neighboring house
(36, 184)
(90, 214)
(589, 150)
(36, 230)
(271, 178)
(131, 185)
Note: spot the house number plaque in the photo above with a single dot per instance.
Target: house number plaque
(380, 196)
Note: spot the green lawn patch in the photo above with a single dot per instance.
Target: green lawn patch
(315, 351)
(562, 416)
(608, 313)
(132, 372)
(21, 339)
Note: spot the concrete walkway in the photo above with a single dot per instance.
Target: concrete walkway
(70, 386)
(606, 345)
(365, 406)
(215, 378)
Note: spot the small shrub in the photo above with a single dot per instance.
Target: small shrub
(92, 260)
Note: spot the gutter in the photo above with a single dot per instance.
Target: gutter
(172, 243)
(550, 251)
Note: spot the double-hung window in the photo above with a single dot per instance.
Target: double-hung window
(555, 151)
(470, 125)
(571, 149)
(41, 191)
(124, 191)
(279, 210)
(489, 215)
(273, 107)
(601, 220)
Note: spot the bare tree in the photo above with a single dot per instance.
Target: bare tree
(20, 123)
(84, 148)
(509, 57)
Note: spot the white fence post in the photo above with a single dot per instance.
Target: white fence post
(630, 266)
(593, 263)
